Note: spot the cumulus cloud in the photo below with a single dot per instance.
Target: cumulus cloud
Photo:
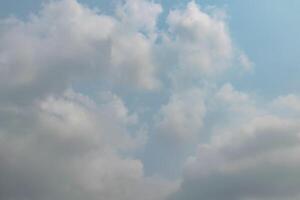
(177, 128)
(260, 163)
(202, 41)
(61, 144)
(68, 149)
(234, 102)
(140, 15)
(255, 157)
(60, 140)
(66, 41)
(290, 102)
(181, 119)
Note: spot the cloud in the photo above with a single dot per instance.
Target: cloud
(188, 113)
(245, 62)
(259, 164)
(68, 148)
(181, 119)
(234, 102)
(202, 41)
(255, 156)
(139, 15)
(59, 143)
(290, 102)
(67, 41)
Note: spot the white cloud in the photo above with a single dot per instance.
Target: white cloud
(228, 94)
(59, 144)
(202, 41)
(66, 41)
(63, 145)
(258, 160)
(68, 148)
(139, 15)
(245, 62)
(255, 156)
(131, 61)
(235, 102)
(181, 119)
(290, 102)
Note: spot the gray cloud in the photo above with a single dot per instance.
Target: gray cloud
(68, 149)
(252, 157)
(57, 143)
(60, 144)
(66, 41)
(181, 119)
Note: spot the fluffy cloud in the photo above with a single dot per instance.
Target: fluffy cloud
(56, 143)
(254, 157)
(260, 163)
(67, 148)
(140, 15)
(67, 41)
(290, 102)
(59, 144)
(181, 119)
(184, 118)
(202, 41)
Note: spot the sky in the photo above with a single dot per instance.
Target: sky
(152, 100)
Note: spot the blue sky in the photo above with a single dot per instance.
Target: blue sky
(152, 100)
